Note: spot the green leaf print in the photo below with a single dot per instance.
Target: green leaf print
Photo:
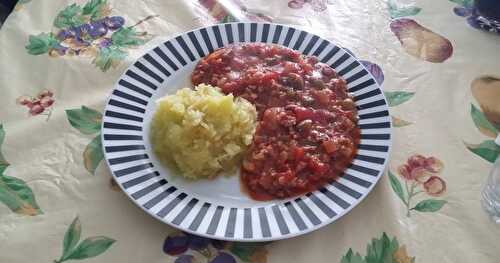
(396, 98)
(41, 43)
(405, 11)
(93, 154)
(127, 37)
(429, 205)
(380, 250)
(91, 247)
(88, 248)
(69, 17)
(350, 257)
(86, 120)
(396, 187)
(18, 196)
(400, 11)
(3, 166)
(109, 56)
(93, 8)
(487, 150)
(14, 192)
(228, 19)
(482, 123)
(3, 162)
(71, 237)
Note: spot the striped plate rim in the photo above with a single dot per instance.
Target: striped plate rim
(125, 152)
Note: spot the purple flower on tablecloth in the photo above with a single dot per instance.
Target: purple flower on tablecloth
(176, 244)
(185, 259)
(39, 105)
(420, 175)
(89, 31)
(462, 11)
(375, 69)
(381, 249)
(372, 67)
(222, 257)
(486, 91)
(188, 248)
(316, 5)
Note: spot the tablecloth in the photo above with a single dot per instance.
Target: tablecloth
(441, 77)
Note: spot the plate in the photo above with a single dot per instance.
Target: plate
(217, 208)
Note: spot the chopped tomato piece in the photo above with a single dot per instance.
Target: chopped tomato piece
(302, 113)
(323, 96)
(298, 153)
(330, 146)
(317, 166)
(229, 87)
(271, 118)
(268, 77)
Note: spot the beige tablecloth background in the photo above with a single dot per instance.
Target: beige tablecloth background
(46, 151)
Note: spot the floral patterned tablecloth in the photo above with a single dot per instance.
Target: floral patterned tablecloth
(59, 60)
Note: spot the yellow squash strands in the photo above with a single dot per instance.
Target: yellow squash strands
(202, 131)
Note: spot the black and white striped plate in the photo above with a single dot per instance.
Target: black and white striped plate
(217, 209)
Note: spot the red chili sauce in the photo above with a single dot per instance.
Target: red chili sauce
(307, 131)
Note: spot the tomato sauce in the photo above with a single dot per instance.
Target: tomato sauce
(307, 132)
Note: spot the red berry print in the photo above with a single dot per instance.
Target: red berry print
(39, 105)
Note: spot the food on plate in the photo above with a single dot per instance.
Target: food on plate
(202, 131)
(307, 132)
